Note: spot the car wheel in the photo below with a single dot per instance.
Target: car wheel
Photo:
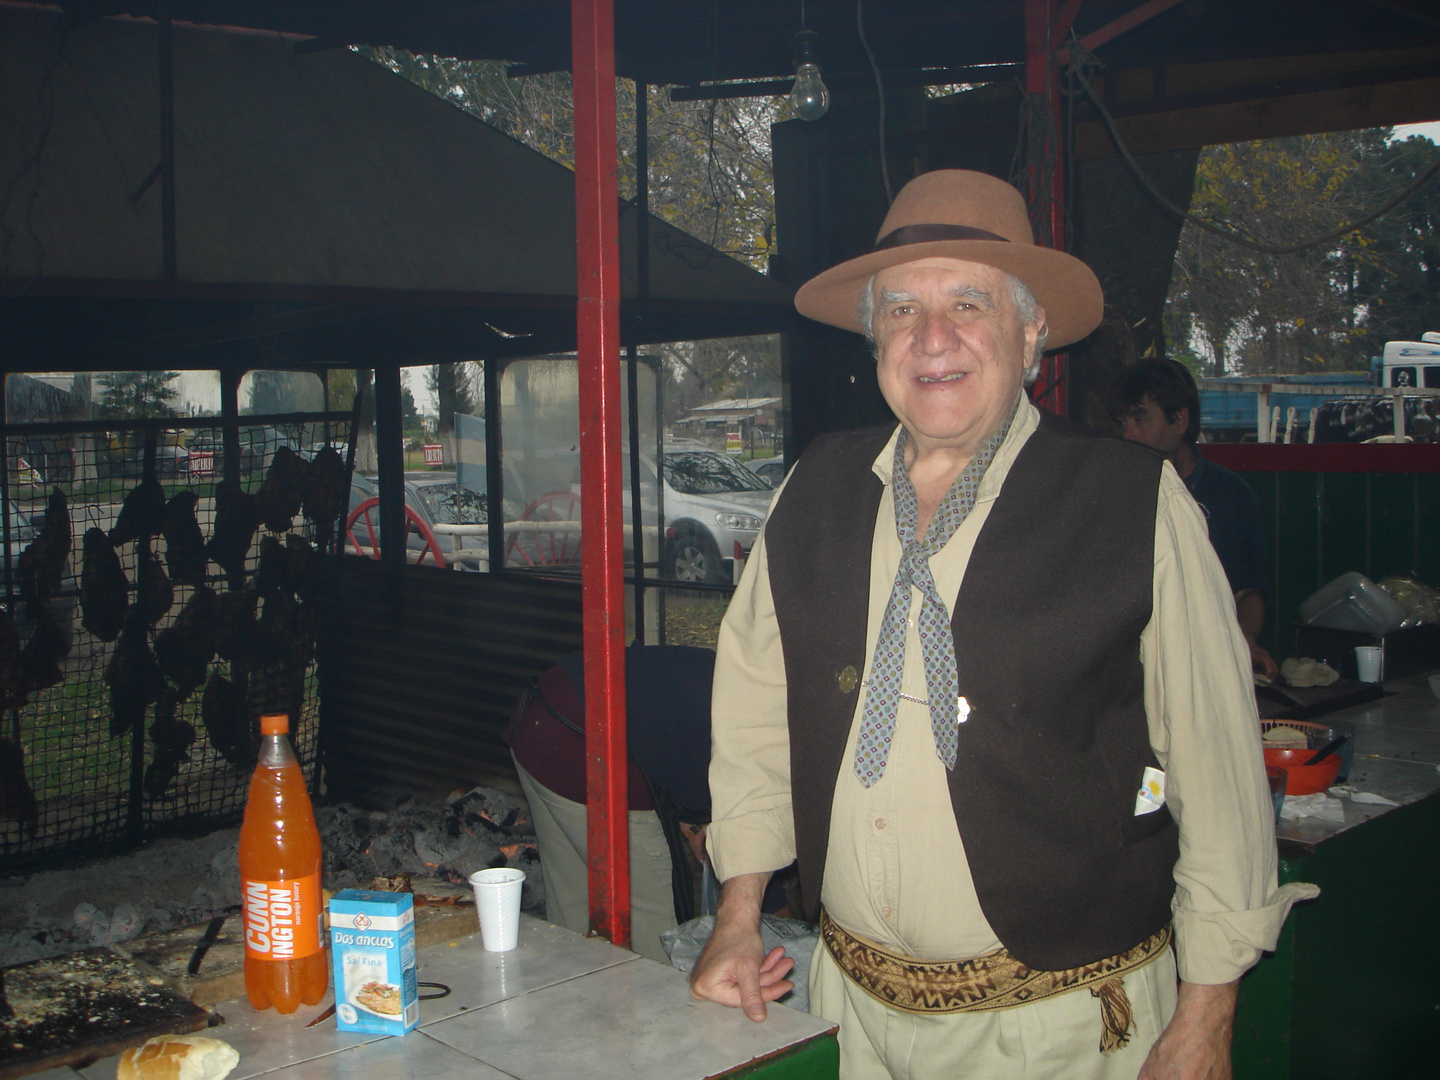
(694, 558)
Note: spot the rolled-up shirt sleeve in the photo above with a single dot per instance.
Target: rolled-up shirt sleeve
(1200, 701)
(751, 829)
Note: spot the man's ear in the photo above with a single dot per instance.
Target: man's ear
(1035, 332)
(1182, 417)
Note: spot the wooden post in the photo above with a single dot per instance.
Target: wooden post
(597, 252)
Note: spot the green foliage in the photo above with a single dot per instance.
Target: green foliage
(137, 394)
(710, 171)
(1329, 307)
(455, 390)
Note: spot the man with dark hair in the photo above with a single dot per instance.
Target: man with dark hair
(1157, 403)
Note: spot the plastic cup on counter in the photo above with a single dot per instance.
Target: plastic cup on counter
(1276, 779)
(1368, 662)
(497, 903)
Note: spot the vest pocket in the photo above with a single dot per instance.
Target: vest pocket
(1143, 826)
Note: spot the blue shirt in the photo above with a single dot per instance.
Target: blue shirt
(1233, 515)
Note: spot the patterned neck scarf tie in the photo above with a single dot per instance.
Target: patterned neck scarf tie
(937, 644)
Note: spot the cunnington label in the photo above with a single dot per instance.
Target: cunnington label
(282, 918)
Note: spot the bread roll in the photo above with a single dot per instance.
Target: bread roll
(178, 1057)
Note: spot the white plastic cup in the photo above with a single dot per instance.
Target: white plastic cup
(1367, 662)
(497, 902)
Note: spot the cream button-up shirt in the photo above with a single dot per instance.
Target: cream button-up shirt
(896, 871)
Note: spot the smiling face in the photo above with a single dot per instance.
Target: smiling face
(951, 350)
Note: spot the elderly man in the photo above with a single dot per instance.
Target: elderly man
(983, 678)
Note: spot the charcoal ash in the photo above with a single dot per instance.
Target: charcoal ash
(174, 883)
(475, 829)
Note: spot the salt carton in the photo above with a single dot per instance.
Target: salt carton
(372, 938)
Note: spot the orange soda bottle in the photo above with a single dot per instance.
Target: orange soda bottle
(285, 962)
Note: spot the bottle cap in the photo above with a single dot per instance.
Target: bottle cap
(275, 724)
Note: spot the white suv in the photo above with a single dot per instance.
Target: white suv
(714, 508)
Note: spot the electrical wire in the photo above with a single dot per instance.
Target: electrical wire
(879, 95)
(1076, 50)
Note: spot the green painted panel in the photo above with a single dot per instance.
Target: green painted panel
(1427, 527)
(1366, 974)
(1264, 1014)
(815, 1059)
(1296, 551)
(1392, 524)
(1344, 524)
(1264, 485)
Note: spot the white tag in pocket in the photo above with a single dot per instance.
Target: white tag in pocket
(1151, 795)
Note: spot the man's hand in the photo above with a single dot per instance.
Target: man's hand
(1250, 613)
(1262, 661)
(733, 968)
(1195, 1045)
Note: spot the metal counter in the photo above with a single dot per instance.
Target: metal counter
(1353, 986)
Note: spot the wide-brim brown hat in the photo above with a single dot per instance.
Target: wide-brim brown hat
(966, 215)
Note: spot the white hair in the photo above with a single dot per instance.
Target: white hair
(1026, 306)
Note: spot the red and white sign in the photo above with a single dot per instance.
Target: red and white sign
(202, 462)
(434, 455)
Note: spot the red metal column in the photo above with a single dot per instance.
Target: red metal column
(1042, 76)
(597, 252)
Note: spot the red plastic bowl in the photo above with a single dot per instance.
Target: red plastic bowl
(1302, 779)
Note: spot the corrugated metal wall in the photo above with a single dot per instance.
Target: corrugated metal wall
(420, 667)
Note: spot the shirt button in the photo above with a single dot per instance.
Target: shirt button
(879, 823)
(885, 911)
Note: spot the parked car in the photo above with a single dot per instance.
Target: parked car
(714, 507)
(771, 469)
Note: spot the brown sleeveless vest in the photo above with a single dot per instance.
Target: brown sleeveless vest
(1047, 626)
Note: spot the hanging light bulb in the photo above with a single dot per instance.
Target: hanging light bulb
(808, 97)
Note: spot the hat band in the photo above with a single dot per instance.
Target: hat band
(924, 234)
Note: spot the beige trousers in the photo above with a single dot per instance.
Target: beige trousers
(561, 836)
(1057, 1038)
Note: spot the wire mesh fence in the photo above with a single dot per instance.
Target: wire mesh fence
(157, 599)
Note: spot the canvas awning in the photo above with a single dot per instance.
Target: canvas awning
(324, 206)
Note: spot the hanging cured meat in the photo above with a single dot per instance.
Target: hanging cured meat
(325, 496)
(235, 625)
(46, 650)
(12, 673)
(173, 739)
(184, 543)
(184, 648)
(154, 595)
(142, 514)
(284, 490)
(222, 711)
(42, 563)
(17, 801)
(104, 589)
(235, 524)
(134, 678)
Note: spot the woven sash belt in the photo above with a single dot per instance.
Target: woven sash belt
(985, 983)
